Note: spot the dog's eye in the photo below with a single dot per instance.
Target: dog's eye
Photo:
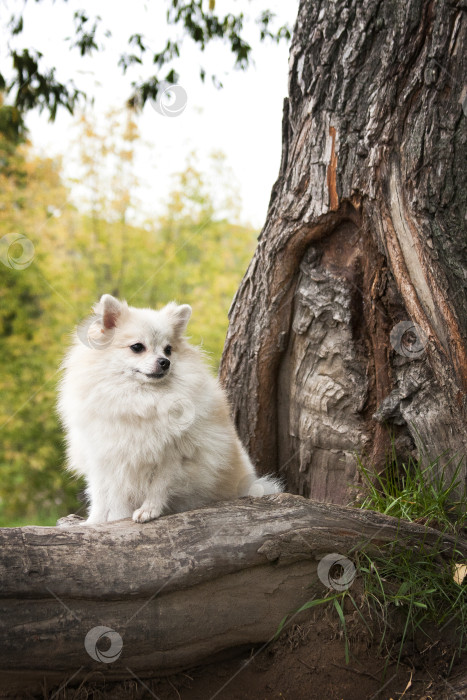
(168, 349)
(137, 347)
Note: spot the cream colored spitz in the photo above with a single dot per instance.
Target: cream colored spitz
(147, 424)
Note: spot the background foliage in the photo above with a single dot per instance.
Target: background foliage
(33, 84)
(196, 252)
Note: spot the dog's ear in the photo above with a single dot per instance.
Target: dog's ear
(179, 316)
(110, 309)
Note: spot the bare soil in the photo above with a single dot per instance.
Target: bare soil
(307, 662)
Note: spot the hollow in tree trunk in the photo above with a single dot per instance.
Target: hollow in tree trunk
(352, 316)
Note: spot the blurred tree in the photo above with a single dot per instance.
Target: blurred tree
(32, 197)
(191, 253)
(34, 85)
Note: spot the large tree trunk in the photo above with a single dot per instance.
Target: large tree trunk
(178, 591)
(352, 315)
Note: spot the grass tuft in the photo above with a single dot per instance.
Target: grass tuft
(422, 583)
(416, 493)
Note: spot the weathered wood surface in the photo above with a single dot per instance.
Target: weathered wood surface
(365, 230)
(178, 591)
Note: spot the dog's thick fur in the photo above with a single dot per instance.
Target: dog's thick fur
(149, 439)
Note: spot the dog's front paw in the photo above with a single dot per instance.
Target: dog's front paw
(146, 513)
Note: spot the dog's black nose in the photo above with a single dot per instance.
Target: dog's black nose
(163, 363)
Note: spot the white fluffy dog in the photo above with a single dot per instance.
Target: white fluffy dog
(147, 425)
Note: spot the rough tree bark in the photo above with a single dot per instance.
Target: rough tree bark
(177, 591)
(352, 316)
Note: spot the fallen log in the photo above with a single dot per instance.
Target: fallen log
(174, 592)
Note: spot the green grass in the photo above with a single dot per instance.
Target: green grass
(420, 583)
(417, 493)
(417, 582)
(338, 601)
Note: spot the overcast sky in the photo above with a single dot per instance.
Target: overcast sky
(243, 119)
